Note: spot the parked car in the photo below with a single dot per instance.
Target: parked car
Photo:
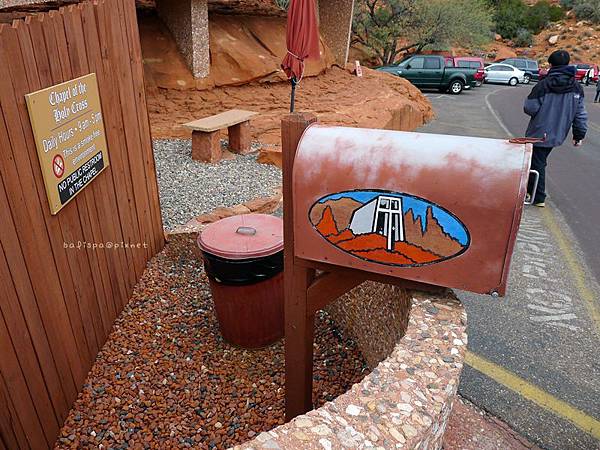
(504, 73)
(529, 66)
(580, 74)
(469, 62)
(583, 70)
(430, 71)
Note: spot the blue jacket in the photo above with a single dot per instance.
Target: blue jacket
(555, 105)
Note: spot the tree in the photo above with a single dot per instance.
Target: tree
(390, 27)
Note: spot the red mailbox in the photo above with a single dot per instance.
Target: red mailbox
(416, 210)
(442, 210)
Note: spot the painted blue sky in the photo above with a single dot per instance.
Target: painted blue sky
(419, 208)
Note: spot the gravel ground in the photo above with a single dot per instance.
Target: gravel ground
(189, 188)
(166, 379)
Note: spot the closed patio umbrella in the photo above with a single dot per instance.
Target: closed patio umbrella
(302, 41)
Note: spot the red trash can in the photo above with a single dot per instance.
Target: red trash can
(243, 258)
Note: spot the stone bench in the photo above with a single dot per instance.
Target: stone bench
(206, 145)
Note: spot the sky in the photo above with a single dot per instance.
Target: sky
(419, 207)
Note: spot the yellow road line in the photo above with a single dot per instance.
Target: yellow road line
(577, 271)
(534, 394)
(593, 126)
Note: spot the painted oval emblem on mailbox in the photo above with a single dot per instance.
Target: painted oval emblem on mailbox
(389, 227)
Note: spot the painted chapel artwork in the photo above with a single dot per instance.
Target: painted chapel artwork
(389, 228)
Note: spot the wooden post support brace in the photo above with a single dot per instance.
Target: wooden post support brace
(299, 325)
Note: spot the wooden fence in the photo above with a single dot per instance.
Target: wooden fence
(58, 304)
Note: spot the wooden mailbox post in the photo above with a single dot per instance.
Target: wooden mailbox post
(392, 207)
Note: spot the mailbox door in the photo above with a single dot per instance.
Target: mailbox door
(437, 209)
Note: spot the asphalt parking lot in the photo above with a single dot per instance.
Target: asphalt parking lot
(534, 358)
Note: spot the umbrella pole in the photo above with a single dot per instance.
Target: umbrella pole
(293, 98)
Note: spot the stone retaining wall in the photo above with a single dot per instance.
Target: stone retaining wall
(406, 400)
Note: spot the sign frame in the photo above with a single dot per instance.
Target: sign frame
(70, 137)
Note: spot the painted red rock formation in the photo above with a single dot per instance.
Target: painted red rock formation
(433, 239)
(327, 226)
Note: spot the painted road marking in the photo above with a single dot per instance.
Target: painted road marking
(534, 394)
(546, 304)
(577, 271)
(495, 114)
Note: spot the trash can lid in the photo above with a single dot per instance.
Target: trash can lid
(243, 237)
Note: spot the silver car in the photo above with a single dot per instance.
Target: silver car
(504, 73)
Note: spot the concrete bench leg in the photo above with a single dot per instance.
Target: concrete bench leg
(239, 138)
(206, 147)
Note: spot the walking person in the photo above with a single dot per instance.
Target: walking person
(597, 97)
(555, 105)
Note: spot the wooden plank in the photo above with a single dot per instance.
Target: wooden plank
(26, 208)
(132, 157)
(134, 64)
(116, 259)
(42, 51)
(132, 129)
(299, 324)
(27, 355)
(67, 221)
(122, 189)
(89, 201)
(71, 215)
(18, 393)
(59, 399)
(219, 121)
(10, 427)
(379, 278)
(329, 286)
(144, 120)
(12, 435)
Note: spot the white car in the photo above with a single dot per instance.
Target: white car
(504, 73)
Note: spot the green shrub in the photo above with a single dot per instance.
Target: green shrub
(524, 38)
(587, 10)
(510, 17)
(513, 15)
(567, 4)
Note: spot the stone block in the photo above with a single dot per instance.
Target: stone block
(206, 147)
(239, 138)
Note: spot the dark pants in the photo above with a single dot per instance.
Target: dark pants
(597, 95)
(539, 162)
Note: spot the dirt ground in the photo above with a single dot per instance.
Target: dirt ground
(581, 39)
(337, 97)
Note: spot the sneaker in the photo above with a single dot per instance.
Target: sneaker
(540, 204)
(527, 198)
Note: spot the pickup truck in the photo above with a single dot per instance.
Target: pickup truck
(430, 71)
